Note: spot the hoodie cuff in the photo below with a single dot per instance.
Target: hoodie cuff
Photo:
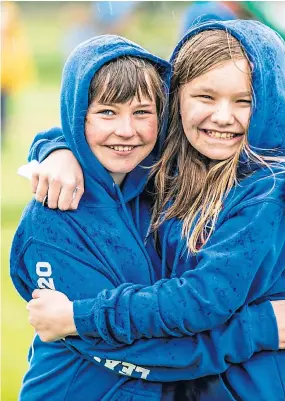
(84, 314)
(48, 147)
(264, 329)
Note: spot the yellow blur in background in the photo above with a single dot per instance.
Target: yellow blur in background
(36, 38)
(17, 70)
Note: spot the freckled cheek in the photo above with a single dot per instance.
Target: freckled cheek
(191, 114)
(189, 121)
(97, 131)
(149, 129)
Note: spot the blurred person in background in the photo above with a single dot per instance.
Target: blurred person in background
(111, 16)
(203, 11)
(17, 65)
(81, 22)
(269, 13)
(78, 25)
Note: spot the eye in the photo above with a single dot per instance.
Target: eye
(244, 101)
(142, 112)
(207, 97)
(106, 112)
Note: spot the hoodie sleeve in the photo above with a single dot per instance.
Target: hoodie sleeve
(45, 143)
(238, 266)
(251, 330)
(41, 265)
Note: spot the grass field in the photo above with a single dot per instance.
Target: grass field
(30, 111)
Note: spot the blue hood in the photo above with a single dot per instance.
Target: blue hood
(78, 72)
(266, 50)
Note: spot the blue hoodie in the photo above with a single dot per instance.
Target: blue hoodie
(243, 263)
(86, 312)
(98, 247)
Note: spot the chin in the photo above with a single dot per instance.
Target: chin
(217, 155)
(219, 158)
(122, 171)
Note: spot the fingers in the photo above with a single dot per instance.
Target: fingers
(77, 196)
(59, 195)
(40, 293)
(36, 294)
(66, 195)
(33, 308)
(35, 181)
(54, 190)
(42, 188)
(57, 177)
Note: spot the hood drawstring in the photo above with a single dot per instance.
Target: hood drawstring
(133, 230)
(137, 212)
(178, 252)
(164, 249)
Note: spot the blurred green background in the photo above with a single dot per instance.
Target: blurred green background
(39, 36)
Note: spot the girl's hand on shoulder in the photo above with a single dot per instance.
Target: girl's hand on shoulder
(51, 314)
(59, 178)
(279, 310)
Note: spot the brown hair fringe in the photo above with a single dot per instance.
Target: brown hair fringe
(127, 77)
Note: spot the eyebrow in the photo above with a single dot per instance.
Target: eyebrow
(210, 90)
(114, 104)
(145, 104)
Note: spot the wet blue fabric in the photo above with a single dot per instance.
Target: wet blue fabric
(244, 260)
(212, 285)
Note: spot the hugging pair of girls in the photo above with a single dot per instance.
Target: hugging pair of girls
(167, 281)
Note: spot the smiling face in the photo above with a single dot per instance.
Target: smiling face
(215, 109)
(127, 101)
(121, 135)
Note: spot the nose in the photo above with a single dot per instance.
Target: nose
(125, 127)
(223, 115)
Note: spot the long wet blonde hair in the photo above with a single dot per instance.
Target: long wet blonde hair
(193, 185)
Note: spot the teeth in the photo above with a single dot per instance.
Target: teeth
(120, 148)
(222, 135)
